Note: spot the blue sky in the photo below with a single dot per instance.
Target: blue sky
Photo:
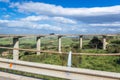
(59, 16)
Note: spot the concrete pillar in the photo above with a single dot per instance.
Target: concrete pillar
(38, 44)
(104, 42)
(80, 42)
(59, 44)
(15, 45)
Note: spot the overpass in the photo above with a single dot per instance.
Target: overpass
(39, 36)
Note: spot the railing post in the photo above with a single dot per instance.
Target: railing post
(59, 44)
(38, 44)
(15, 45)
(104, 42)
(80, 41)
(69, 63)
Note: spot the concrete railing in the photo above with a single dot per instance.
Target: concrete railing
(58, 71)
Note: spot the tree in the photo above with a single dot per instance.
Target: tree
(95, 43)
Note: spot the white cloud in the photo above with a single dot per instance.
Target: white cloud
(46, 26)
(50, 17)
(64, 20)
(6, 16)
(113, 24)
(28, 24)
(49, 9)
(6, 1)
(54, 19)
(114, 30)
(35, 18)
(4, 21)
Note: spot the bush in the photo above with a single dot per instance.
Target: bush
(114, 47)
(95, 43)
(116, 42)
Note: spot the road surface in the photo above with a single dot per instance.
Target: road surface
(9, 76)
(4, 78)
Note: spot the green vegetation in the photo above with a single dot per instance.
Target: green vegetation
(114, 47)
(90, 45)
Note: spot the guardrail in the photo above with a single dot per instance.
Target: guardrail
(55, 52)
(58, 71)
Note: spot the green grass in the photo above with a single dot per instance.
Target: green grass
(104, 63)
(93, 51)
(5, 41)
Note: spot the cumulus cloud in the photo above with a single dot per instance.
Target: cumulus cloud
(27, 24)
(86, 15)
(64, 20)
(113, 24)
(49, 9)
(55, 19)
(35, 18)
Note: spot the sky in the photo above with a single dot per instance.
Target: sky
(59, 16)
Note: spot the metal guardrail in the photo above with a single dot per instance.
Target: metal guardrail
(58, 71)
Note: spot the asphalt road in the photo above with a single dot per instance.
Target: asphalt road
(4, 78)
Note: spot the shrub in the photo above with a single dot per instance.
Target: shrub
(114, 47)
(95, 43)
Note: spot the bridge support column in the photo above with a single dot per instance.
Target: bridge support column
(80, 42)
(104, 42)
(15, 45)
(59, 44)
(38, 45)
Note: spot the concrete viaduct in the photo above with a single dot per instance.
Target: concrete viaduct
(38, 41)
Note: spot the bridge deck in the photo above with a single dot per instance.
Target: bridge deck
(44, 35)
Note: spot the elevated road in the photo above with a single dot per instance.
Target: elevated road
(47, 35)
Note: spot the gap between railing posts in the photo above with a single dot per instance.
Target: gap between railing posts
(69, 63)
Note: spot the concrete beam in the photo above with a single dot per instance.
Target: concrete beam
(59, 44)
(15, 45)
(104, 42)
(38, 44)
(80, 41)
